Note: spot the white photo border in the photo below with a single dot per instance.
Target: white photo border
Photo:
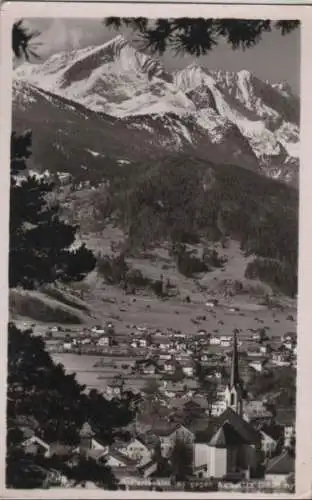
(11, 11)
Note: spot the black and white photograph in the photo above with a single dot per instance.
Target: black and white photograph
(153, 254)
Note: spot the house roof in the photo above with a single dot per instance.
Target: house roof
(164, 430)
(121, 472)
(161, 340)
(127, 461)
(96, 454)
(274, 431)
(60, 449)
(227, 436)
(149, 439)
(25, 421)
(129, 443)
(200, 401)
(282, 464)
(146, 466)
(285, 416)
(168, 428)
(176, 402)
(204, 435)
(34, 441)
(27, 432)
(115, 383)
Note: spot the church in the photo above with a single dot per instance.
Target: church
(232, 444)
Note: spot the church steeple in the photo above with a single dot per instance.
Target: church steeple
(234, 390)
(234, 380)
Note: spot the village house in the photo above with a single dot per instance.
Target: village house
(289, 434)
(289, 337)
(148, 468)
(268, 443)
(98, 330)
(263, 349)
(85, 341)
(214, 374)
(36, 446)
(68, 343)
(218, 407)
(170, 366)
(280, 358)
(204, 357)
(136, 450)
(168, 435)
(172, 389)
(279, 469)
(215, 340)
(226, 338)
(165, 356)
(114, 388)
(289, 345)
(188, 369)
(149, 368)
(54, 329)
(255, 411)
(211, 303)
(179, 335)
(162, 342)
(116, 460)
(257, 364)
(104, 341)
(254, 354)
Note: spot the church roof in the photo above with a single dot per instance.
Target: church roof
(235, 423)
(227, 436)
(247, 432)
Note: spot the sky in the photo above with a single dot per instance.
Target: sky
(276, 58)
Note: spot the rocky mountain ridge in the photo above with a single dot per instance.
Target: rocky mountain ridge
(236, 115)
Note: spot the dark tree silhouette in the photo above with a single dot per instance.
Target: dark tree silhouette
(99, 474)
(22, 41)
(40, 391)
(198, 36)
(40, 243)
(181, 459)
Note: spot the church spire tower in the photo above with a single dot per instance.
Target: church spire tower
(234, 380)
(234, 390)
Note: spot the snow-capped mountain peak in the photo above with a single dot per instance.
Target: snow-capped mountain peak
(121, 81)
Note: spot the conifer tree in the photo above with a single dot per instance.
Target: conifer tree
(40, 243)
(198, 36)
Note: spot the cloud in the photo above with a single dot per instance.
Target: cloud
(65, 34)
(60, 37)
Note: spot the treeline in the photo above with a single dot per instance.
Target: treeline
(117, 271)
(183, 200)
(279, 275)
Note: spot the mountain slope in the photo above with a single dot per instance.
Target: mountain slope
(69, 137)
(257, 123)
